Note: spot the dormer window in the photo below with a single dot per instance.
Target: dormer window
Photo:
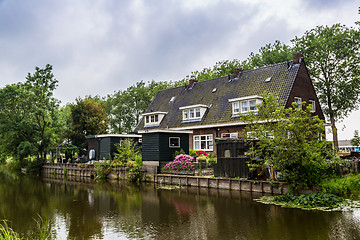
(193, 112)
(244, 105)
(153, 118)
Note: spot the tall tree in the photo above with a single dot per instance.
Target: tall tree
(88, 118)
(40, 87)
(18, 135)
(332, 56)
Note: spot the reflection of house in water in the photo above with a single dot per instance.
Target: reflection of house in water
(346, 146)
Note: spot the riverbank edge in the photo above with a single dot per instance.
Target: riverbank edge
(273, 188)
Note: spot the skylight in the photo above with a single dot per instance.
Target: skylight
(214, 90)
(172, 99)
(268, 79)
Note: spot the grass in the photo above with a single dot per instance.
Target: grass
(346, 186)
(44, 230)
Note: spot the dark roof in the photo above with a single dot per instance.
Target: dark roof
(249, 83)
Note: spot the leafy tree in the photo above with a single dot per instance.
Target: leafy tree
(125, 107)
(221, 68)
(26, 115)
(17, 131)
(332, 56)
(355, 141)
(270, 54)
(40, 87)
(289, 141)
(88, 118)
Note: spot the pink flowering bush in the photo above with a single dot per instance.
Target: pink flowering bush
(182, 162)
(200, 152)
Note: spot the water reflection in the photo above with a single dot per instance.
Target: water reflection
(82, 209)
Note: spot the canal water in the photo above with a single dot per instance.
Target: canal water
(86, 210)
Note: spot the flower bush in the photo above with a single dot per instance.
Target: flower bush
(182, 162)
(201, 153)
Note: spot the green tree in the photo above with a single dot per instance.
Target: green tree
(269, 54)
(289, 141)
(355, 141)
(332, 56)
(40, 87)
(125, 107)
(88, 117)
(27, 115)
(17, 130)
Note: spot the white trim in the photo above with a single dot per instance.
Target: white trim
(178, 138)
(193, 106)
(313, 106)
(206, 142)
(165, 131)
(245, 98)
(152, 113)
(219, 125)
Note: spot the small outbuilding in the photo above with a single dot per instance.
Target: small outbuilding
(159, 147)
(103, 146)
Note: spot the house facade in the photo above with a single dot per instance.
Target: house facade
(211, 109)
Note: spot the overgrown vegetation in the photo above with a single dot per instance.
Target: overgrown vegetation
(310, 200)
(44, 231)
(345, 186)
(289, 141)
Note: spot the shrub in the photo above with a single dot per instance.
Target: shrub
(182, 162)
(346, 186)
(127, 150)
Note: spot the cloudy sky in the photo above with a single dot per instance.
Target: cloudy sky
(100, 46)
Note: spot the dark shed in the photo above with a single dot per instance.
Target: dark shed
(104, 145)
(159, 146)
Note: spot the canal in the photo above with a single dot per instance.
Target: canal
(87, 210)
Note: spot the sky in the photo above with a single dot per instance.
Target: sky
(98, 47)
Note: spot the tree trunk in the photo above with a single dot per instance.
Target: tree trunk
(334, 133)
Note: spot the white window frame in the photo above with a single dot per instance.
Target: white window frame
(236, 107)
(174, 146)
(208, 141)
(229, 135)
(298, 101)
(313, 106)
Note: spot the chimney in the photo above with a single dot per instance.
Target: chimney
(237, 72)
(297, 57)
(192, 81)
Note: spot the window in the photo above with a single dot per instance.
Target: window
(197, 112)
(203, 142)
(191, 115)
(312, 104)
(193, 112)
(229, 135)
(297, 100)
(252, 105)
(174, 142)
(236, 107)
(244, 106)
(153, 118)
(185, 114)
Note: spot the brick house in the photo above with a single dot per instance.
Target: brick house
(210, 109)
